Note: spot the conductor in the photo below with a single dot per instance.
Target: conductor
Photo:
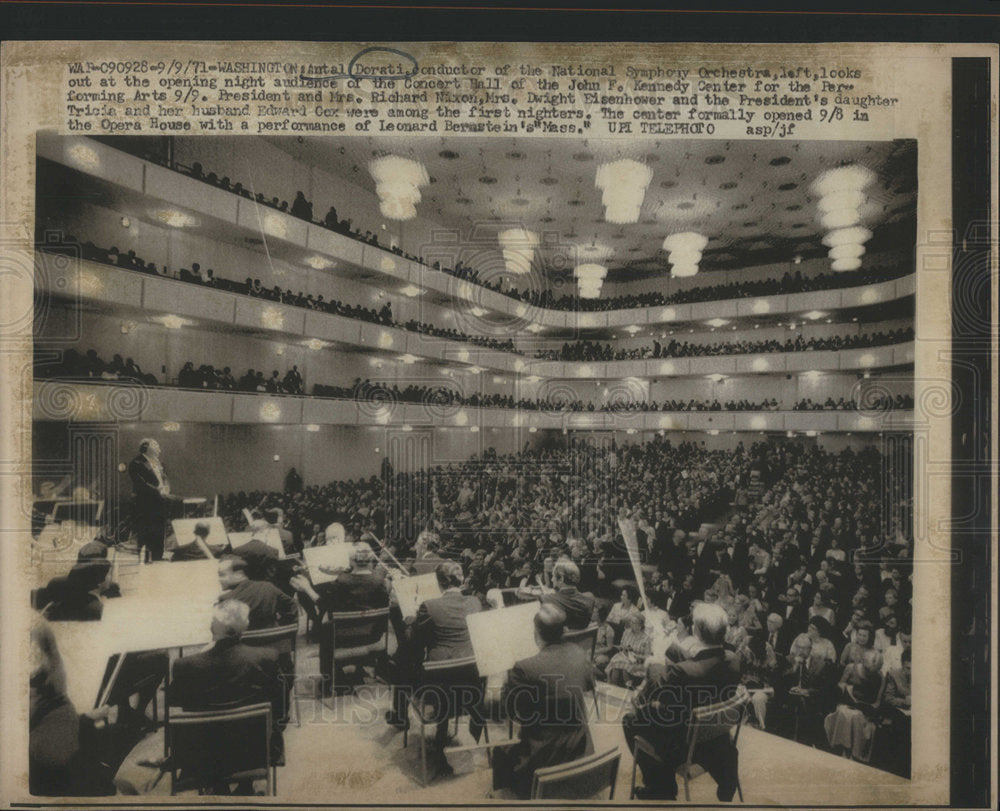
(151, 497)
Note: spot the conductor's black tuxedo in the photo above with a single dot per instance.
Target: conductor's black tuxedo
(150, 508)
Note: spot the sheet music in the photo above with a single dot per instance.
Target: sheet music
(502, 637)
(332, 556)
(412, 591)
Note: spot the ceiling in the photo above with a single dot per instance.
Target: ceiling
(751, 198)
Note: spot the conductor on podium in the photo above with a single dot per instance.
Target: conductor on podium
(151, 497)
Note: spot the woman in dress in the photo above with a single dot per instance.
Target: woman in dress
(854, 651)
(849, 729)
(621, 611)
(627, 666)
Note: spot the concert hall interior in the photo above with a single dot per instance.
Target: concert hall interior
(617, 423)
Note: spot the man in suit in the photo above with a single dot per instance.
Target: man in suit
(576, 605)
(269, 606)
(230, 674)
(429, 560)
(545, 693)
(225, 675)
(354, 590)
(794, 613)
(779, 635)
(150, 497)
(666, 699)
(439, 632)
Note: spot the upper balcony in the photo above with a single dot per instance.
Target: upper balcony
(156, 189)
(68, 400)
(175, 303)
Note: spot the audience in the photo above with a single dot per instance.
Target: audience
(545, 514)
(302, 208)
(592, 351)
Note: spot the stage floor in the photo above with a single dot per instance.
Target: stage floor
(345, 753)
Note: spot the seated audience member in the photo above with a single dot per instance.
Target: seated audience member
(893, 654)
(621, 611)
(820, 607)
(886, 636)
(545, 694)
(855, 650)
(439, 632)
(896, 709)
(628, 665)
(578, 606)
(760, 671)
(669, 694)
(737, 637)
(681, 604)
(849, 729)
(805, 687)
(62, 755)
(269, 606)
(354, 590)
(604, 645)
(818, 631)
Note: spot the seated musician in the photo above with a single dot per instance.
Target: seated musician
(438, 633)
(76, 596)
(225, 675)
(544, 693)
(354, 590)
(62, 757)
(668, 695)
(269, 606)
(578, 606)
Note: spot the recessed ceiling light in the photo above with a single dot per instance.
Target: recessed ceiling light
(175, 218)
(320, 262)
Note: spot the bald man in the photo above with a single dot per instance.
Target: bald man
(545, 693)
(150, 497)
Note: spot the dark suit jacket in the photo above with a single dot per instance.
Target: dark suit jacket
(672, 690)
(269, 606)
(578, 605)
(352, 592)
(440, 630)
(146, 488)
(261, 559)
(545, 693)
(230, 674)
